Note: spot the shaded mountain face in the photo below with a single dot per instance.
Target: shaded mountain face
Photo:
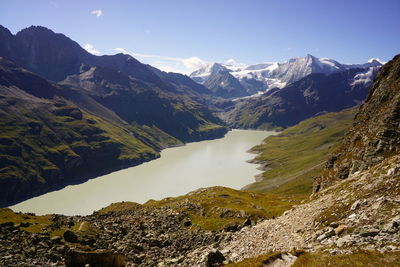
(135, 92)
(136, 102)
(55, 56)
(183, 84)
(266, 76)
(303, 99)
(47, 142)
(223, 84)
(375, 134)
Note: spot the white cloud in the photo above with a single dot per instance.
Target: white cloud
(193, 63)
(166, 63)
(230, 61)
(97, 12)
(89, 47)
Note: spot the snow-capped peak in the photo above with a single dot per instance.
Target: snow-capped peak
(373, 60)
(273, 74)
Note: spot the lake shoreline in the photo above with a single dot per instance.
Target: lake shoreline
(208, 144)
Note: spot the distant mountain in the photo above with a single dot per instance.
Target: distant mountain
(55, 56)
(136, 102)
(263, 77)
(313, 94)
(223, 84)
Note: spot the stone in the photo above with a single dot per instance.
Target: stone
(24, 224)
(340, 229)
(325, 235)
(56, 239)
(369, 232)
(70, 236)
(7, 224)
(334, 224)
(393, 171)
(344, 241)
(187, 223)
(355, 205)
(247, 222)
(215, 258)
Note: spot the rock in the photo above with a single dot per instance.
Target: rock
(7, 224)
(355, 205)
(56, 239)
(334, 224)
(215, 258)
(187, 223)
(325, 235)
(70, 236)
(25, 224)
(247, 222)
(393, 171)
(396, 221)
(231, 228)
(369, 232)
(340, 229)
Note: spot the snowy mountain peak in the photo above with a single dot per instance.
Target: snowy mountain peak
(265, 76)
(376, 61)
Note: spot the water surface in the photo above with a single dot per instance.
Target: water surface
(178, 171)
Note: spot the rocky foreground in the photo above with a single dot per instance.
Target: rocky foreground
(361, 213)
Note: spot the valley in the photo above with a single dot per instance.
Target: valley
(105, 160)
(196, 165)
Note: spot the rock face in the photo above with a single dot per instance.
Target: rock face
(375, 134)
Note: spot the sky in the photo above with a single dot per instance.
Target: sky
(184, 35)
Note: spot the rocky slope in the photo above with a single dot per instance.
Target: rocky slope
(355, 220)
(158, 233)
(357, 214)
(375, 133)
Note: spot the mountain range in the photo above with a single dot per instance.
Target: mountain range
(251, 79)
(72, 115)
(80, 115)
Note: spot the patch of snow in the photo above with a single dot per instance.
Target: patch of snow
(364, 77)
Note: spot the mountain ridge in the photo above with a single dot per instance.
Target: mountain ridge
(266, 76)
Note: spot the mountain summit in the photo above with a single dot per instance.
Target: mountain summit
(265, 76)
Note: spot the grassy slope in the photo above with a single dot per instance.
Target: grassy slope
(44, 141)
(293, 157)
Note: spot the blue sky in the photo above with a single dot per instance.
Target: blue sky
(180, 35)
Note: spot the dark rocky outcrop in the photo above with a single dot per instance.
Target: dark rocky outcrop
(375, 134)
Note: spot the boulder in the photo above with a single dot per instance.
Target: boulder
(70, 236)
(215, 258)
